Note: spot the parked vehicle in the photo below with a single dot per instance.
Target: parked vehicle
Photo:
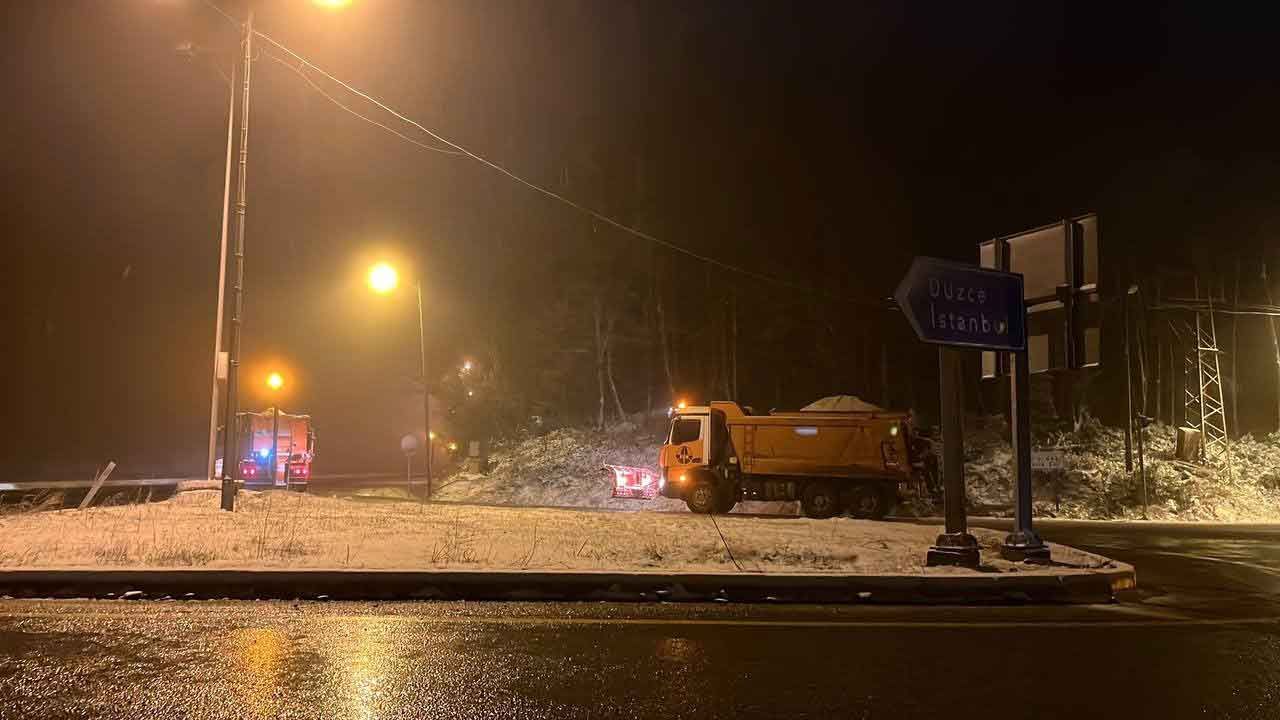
(835, 455)
(294, 441)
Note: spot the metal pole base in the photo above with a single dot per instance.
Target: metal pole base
(228, 494)
(1024, 546)
(960, 549)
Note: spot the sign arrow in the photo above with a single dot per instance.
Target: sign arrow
(950, 303)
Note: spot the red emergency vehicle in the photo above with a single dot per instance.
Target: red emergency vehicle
(295, 443)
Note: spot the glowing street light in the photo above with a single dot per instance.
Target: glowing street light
(383, 278)
(275, 381)
(332, 4)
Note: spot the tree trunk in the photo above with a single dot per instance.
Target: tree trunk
(1235, 358)
(1275, 340)
(608, 369)
(724, 373)
(649, 334)
(733, 343)
(1142, 333)
(600, 362)
(665, 341)
(1159, 371)
(885, 399)
(1177, 380)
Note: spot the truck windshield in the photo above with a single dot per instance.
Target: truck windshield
(685, 430)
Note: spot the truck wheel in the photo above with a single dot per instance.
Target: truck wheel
(702, 497)
(867, 501)
(819, 500)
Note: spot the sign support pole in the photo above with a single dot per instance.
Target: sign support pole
(955, 546)
(1023, 543)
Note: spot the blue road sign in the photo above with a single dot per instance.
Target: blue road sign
(950, 303)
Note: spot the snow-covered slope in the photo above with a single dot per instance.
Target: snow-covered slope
(566, 468)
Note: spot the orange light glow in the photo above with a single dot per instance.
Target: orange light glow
(332, 4)
(275, 381)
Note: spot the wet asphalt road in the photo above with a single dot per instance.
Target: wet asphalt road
(1200, 639)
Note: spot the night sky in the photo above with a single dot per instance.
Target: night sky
(820, 143)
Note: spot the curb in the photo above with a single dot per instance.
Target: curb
(1006, 588)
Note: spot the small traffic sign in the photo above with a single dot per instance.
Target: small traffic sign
(1048, 460)
(950, 303)
(409, 444)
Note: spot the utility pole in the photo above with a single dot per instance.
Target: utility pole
(231, 457)
(222, 279)
(426, 386)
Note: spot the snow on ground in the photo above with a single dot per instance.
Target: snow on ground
(1095, 484)
(565, 468)
(279, 529)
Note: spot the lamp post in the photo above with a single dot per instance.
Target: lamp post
(275, 381)
(383, 279)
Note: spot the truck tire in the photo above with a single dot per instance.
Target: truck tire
(702, 497)
(819, 500)
(868, 501)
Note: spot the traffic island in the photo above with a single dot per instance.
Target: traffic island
(287, 545)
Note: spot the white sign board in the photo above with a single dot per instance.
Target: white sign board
(409, 444)
(1048, 460)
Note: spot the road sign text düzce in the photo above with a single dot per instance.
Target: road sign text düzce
(955, 304)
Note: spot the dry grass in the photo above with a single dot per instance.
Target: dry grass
(286, 530)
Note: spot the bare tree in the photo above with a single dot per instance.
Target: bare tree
(1275, 339)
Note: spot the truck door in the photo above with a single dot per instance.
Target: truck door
(689, 444)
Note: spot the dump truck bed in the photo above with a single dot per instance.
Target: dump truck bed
(822, 443)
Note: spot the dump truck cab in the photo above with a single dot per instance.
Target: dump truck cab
(830, 459)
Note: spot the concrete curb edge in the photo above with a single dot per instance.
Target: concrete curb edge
(1101, 585)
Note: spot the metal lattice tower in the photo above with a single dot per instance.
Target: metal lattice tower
(1202, 390)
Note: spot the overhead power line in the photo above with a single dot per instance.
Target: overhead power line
(304, 63)
(302, 74)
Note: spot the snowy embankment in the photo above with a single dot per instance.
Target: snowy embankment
(1095, 484)
(565, 468)
(289, 530)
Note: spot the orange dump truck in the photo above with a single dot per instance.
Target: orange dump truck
(835, 455)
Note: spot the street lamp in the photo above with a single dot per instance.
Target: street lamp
(383, 279)
(275, 381)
